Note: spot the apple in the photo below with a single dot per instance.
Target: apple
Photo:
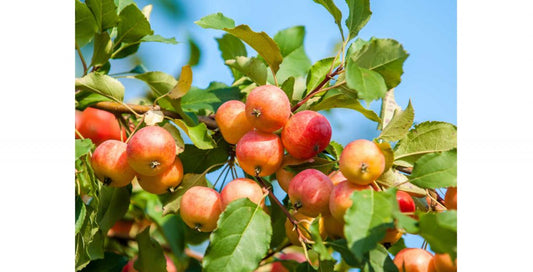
(200, 208)
(241, 188)
(306, 134)
(340, 201)
(304, 222)
(443, 263)
(161, 183)
(334, 228)
(259, 153)
(110, 164)
(336, 177)
(413, 260)
(232, 121)
(129, 266)
(450, 198)
(362, 162)
(267, 108)
(99, 126)
(392, 236)
(309, 192)
(151, 151)
(283, 176)
(405, 202)
(295, 256)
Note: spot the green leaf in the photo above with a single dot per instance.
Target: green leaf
(426, 137)
(335, 149)
(132, 25)
(435, 170)
(319, 246)
(260, 42)
(318, 72)
(198, 134)
(277, 221)
(358, 17)
(207, 101)
(83, 147)
(86, 25)
(121, 4)
(334, 11)
(196, 160)
(230, 48)
(396, 247)
(158, 38)
(194, 52)
(440, 230)
(253, 68)
(295, 64)
(103, 47)
(111, 262)
(393, 178)
(341, 246)
(87, 98)
(125, 50)
(385, 56)
(290, 39)
(173, 229)
(288, 88)
(368, 219)
(101, 84)
(386, 149)
(338, 99)
(399, 125)
(368, 84)
(113, 205)
(105, 13)
(151, 257)
(379, 261)
(323, 165)
(241, 239)
(81, 212)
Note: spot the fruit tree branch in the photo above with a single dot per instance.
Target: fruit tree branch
(317, 88)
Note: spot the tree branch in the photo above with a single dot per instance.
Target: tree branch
(317, 89)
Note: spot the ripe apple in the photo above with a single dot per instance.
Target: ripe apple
(405, 202)
(99, 125)
(129, 266)
(309, 192)
(200, 208)
(304, 222)
(295, 256)
(336, 177)
(161, 183)
(283, 176)
(77, 122)
(362, 162)
(110, 164)
(339, 200)
(241, 188)
(334, 227)
(306, 134)
(443, 263)
(450, 199)
(392, 236)
(259, 153)
(413, 260)
(268, 108)
(151, 151)
(232, 121)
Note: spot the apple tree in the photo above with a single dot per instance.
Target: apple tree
(143, 198)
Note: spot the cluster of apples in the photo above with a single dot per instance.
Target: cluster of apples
(420, 260)
(98, 125)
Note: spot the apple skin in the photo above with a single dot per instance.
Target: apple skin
(443, 263)
(283, 176)
(151, 151)
(200, 208)
(160, 184)
(267, 108)
(309, 192)
(405, 202)
(304, 222)
(392, 236)
(295, 256)
(334, 227)
(110, 164)
(450, 198)
(241, 188)
(306, 134)
(362, 162)
(413, 259)
(336, 177)
(232, 121)
(129, 266)
(99, 126)
(339, 200)
(77, 122)
(259, 153)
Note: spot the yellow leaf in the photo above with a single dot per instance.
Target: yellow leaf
(184, 83)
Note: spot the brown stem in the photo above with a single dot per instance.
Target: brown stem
(407, 170)
(115, 107)
(317, 89)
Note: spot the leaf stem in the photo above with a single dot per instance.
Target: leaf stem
(274, 76)
(85, 69)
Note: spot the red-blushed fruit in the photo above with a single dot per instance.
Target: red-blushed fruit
(443, 263)
(336, 177)
(362, 162)
(339, 199)
(283, 176)
(232, 121)
(200, 208)
(151, 151)
(127, 229)
(99, 126)
(309, 192)
(392, 236)
(405, 202)
(110, 164)
(450, 198)
(304, 222)
(413, 260)
(267, 108)
(241, 188)
(160, 184)
(129, 266)
(295, 256)
(306, 134)
(334, 228)
(259, 153)
(77, 122)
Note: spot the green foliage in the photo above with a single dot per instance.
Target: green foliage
(241, 239)
(86, 25)
(319, 70)
(369, 85)
(399, 125)
(151, 257)
(105, 13)
(253, 68)
(435, 170)
(338, 99)
(133, 25)
(110, 263)
(358, 17)
(207, 101)
(101, 84)
(440, 230)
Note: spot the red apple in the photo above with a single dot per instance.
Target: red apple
(259, 153)
(110, 164)
(200, 208)
(241, 188)
(309, 192)
(283, 176)
(295, 256)
(405, 202)
(232, 121)
(413, 260)
(340, 201)
(336, 177)
(151, 151)
(268, 108)
(306, 134)
(443, 263)
(450, 199)
(362, 162)
(334, 227)
(392, 236)
(161, 183)
(99, 126)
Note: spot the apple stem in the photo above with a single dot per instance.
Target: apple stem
(318, 88)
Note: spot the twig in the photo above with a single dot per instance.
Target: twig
(82, 59)
(407, 170)
(316, 90)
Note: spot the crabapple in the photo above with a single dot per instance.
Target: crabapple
(413, 260)
(443, 263)
(450, 198)
(99, 126)
(362, 162)
(283, 176)
(405, 202)
(161, 183)
(334, 227)
(200, 208)
(151, 151)
(110, 164)
(241, 188)
(259, 153)
(232, 121)
(336, 177)
(304, 222)
(295, 256)
(306, 134)
(309, 192)
(129, 266)
(340, 201)
(267, 108)
(392, 236)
